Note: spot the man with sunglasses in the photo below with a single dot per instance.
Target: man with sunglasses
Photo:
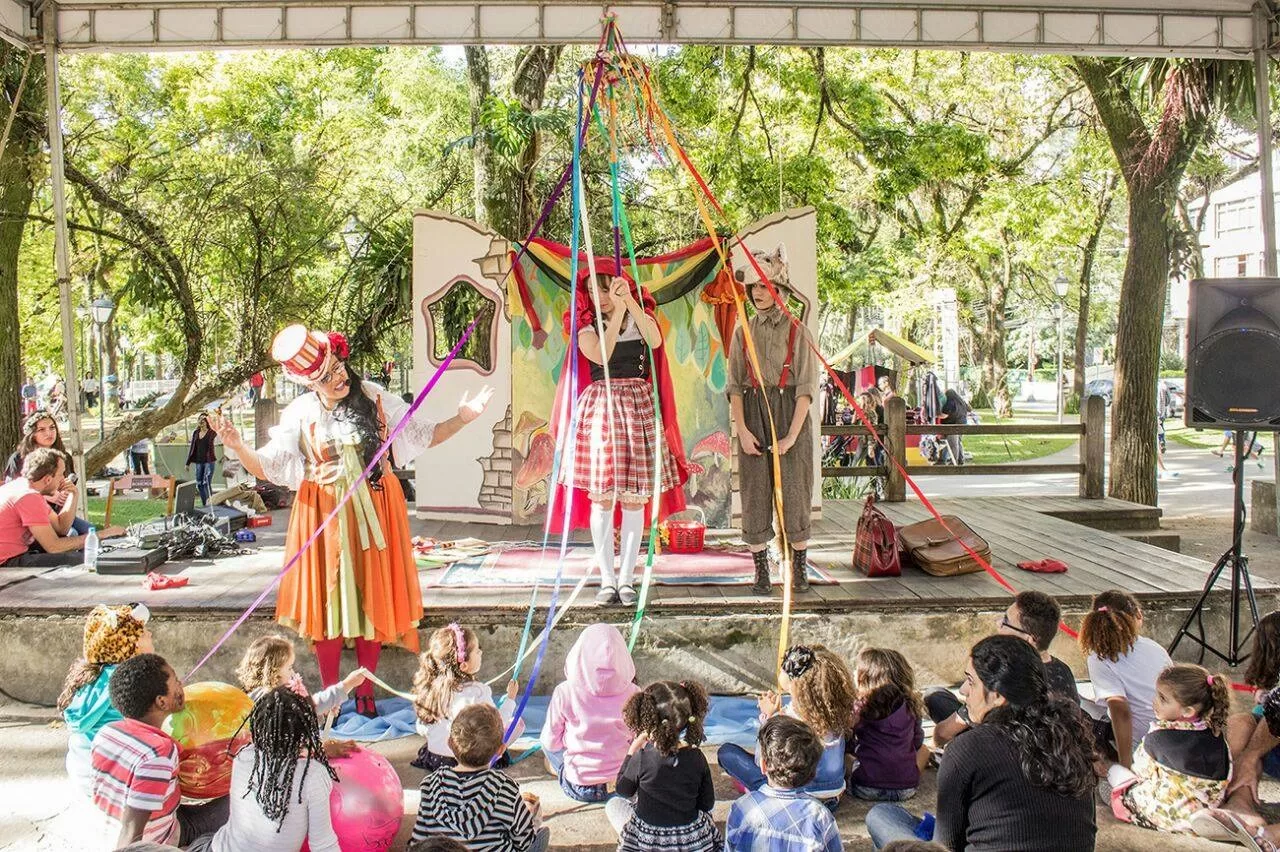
(1032, 617)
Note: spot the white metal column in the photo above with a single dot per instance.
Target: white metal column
(61, 259)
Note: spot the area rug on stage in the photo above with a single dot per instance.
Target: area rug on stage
(522, 566)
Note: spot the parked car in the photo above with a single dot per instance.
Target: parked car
(1174, 393)
(1104, 388)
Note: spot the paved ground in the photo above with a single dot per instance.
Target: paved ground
(37, 813)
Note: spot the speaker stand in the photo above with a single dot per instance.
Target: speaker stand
(1234, 558)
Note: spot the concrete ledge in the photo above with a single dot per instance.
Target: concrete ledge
(1263, 506)
(730, 653)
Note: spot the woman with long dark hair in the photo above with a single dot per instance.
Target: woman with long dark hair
(280, 782)
(202, 454)
(1021, 777)
(40, 430)
(358, 582)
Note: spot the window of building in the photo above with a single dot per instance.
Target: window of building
(1232, 216)
(1232, 266)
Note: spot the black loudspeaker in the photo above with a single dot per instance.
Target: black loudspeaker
(1233, 354)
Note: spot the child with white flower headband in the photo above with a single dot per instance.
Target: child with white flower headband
(445, 683)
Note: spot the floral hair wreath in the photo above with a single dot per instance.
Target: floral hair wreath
(459, 638)
(338, 345)
(798, 660)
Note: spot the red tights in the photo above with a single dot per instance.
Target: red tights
(329, 659)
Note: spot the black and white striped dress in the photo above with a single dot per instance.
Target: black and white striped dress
(481, 809)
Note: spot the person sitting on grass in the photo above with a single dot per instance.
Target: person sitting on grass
(31, 535)
(280, 782)
(135, 763)
(780, 816)
(471, 801)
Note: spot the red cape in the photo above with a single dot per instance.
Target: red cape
(575, 499)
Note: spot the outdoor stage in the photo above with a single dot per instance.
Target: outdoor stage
(720, 633)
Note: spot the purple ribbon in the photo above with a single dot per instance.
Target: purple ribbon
(374, 462)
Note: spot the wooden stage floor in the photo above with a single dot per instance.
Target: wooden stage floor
(1018, 529)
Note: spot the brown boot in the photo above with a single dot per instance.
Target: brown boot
(763, 585)
(800, 570)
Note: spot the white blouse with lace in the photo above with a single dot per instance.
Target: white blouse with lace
(287, 459)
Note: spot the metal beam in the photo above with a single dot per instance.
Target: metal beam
(1221, 29)
(61, 256)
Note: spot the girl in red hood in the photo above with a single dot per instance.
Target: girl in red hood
(617, 432)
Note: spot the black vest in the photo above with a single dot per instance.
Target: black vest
(630, 360)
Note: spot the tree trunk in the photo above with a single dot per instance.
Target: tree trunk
(995, 361)
(18, 172)
(1086, 284)
(481, 150)
(1139, 325)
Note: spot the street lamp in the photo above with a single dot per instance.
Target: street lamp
(1060, 285)
(102, 308)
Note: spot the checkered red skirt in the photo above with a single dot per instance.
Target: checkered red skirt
(616, 455)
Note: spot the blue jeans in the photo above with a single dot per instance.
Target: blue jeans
(589, 793)
(79, 526)
(887, 823)
(204, 481)
(881, 794)
(741, 766)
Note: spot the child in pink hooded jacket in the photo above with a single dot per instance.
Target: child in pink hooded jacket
(584, 737)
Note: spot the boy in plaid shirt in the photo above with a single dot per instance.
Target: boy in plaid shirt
(780, 817)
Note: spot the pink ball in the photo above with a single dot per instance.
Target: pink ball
(367, 802)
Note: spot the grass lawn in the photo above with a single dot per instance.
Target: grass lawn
(1209, 439)
(999, 449)
(124, 511)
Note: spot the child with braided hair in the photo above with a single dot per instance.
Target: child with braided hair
(665, 791)
(823, 697)
(1183, 765)
(280, 782)
(446, 683)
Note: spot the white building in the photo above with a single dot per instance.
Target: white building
(1230, 240)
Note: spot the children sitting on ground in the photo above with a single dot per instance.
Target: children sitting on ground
(1123, 666)
(112, 634)
(780, 816)
(887, 731)
(268, 663)
(665, 792)
(474, 803)
(583, 737)
(280, 782)
(135, 763)
(822, 696)
(1034, 617)
(446, 683)
(1254, 750)
(1182, 766)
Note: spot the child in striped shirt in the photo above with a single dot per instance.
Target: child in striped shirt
(474, 803)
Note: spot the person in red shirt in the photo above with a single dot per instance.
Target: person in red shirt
(31, 534)
(135, 763)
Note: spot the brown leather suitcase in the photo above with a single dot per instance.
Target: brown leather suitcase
(936, 549)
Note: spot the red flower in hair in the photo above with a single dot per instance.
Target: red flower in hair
(338, 344)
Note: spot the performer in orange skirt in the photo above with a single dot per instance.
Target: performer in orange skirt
(358, 583)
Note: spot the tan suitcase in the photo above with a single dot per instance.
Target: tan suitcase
(936, 549)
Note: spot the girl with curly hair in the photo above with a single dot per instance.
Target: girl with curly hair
(822, 696)
(357, 583)
(1123, 665)
(887, 727)
(1021, 777)
(446, 683)
(665, 792)
(1183, 764)
(269, 662)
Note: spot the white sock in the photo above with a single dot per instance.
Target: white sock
(632, 532)
(602, 541)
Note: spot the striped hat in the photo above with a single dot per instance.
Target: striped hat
(307, 355)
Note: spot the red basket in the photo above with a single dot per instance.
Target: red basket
(687, 536)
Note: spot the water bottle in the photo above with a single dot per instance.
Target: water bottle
(91, 550)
